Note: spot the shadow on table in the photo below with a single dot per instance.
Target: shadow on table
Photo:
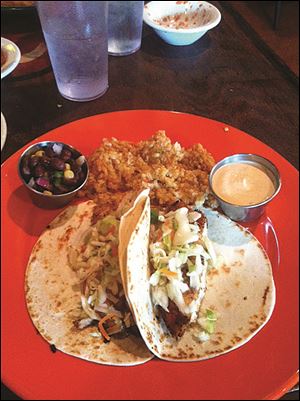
(291, 396)
(155, 46)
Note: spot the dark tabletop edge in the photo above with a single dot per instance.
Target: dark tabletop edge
(7, 394)
(262, 46)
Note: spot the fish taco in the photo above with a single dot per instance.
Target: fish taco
(74, 289)
(199, 285)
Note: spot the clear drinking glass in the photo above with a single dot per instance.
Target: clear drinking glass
(76, 38)
(125, 22)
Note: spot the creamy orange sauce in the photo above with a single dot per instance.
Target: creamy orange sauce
(242, 184)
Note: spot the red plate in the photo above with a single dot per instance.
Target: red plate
(264, 368)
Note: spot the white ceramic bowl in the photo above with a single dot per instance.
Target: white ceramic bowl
(208, 16)
(3, 131)
(12, 54)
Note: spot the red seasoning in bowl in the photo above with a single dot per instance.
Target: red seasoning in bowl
(3, 57)
(185, 20)
(180, 21)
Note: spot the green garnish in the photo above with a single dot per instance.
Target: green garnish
(210, 315)
(208, 321)
(175, 225)
(154, 217)
(191, 268)
(58, 174)
(167, 242)
(106, 224)
(57, 182)
(210, 327)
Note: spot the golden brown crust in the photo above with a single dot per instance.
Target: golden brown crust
(171, 172)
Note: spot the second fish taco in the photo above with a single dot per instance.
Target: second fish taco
(199, 284)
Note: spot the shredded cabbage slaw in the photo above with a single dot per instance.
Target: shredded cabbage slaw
(97, 267)
(180, 255)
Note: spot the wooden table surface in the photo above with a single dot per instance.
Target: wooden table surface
(227, 76)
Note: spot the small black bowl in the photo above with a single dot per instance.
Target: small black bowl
(53, 201)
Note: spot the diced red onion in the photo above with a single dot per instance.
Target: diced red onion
(82, 324)
(31, 182)
(57, 148)
(80, 160)
(43, 182)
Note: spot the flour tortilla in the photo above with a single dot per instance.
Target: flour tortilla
(53, 295)
(241, 292)
(128, 223)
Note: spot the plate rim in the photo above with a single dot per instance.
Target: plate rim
(295, 377)
(228, 125)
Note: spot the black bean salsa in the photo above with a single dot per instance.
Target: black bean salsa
(54, 169)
